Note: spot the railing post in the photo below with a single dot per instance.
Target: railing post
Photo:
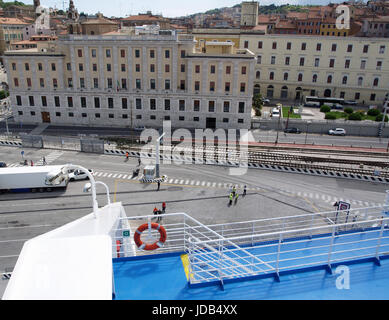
(283, 229)
(310, 232)
(330, 249)
(252, 235)
(377, 252)
(184, 233)
(278, 256)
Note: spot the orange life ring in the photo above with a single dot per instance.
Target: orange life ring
(155, 245)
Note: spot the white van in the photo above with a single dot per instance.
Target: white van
(275, 113)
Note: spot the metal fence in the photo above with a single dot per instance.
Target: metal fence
(266, 246)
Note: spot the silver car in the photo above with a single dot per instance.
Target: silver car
(337, 132)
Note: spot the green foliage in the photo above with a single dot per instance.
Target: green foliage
(348, 110)
(7, 4)
(380, 116)
(356, 116)
(330, 116)
(257, 104)
(373, 112)
(4, 94)
(324, 108)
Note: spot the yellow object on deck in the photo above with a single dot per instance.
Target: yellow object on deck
(185, 263)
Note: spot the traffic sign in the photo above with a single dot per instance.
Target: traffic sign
(22, 152)
(126, 233)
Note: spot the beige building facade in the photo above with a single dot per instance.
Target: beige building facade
(132, 81)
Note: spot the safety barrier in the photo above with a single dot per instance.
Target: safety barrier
(10, 143)
(305, 169)
(265, 247)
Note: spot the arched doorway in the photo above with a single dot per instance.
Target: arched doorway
(327, 93)
(284, 92)
(298, 93)
(270, 91)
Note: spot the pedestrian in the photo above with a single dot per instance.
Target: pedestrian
(139, 161)
(32, 163)
(155, 211)
(244, 191)
(163, 207)
(127, 156)
(231, 198)
(159, 184)
(236, 198)
(234, 190)
(44, 161)
(159, 215)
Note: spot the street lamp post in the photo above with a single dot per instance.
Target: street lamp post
(306, 133)
(278, 124)
(157, 160)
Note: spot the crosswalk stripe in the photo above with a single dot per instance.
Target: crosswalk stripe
(105, 174)
(124, 177)
(197, 183)
(115, 175)
(187, 182)
(119, 176)
(182, 182)
(171, 180)
(192, 182)
(109, 176)
(203, 184)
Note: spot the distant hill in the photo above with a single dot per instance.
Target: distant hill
(7, 4)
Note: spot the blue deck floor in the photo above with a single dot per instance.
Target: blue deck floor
(163, 278)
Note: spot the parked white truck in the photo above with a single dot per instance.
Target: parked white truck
(31, 179)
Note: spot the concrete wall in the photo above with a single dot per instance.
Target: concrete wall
(353, 128)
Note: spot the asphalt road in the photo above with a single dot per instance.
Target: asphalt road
(200, 191)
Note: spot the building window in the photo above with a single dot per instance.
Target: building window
(225, 120)
(288, 45)
(124, 83)
(152, 54)
(274, 45)
(363, 64)
(196, 105)
(344, 80)
(153, 104)
(243, 70)
(137, 84)
(70, 82)
(258, 75)
(95, 83)
(57, 102)
(16, 82)
(226, 106)
(123, 53)
(342, 95)
(286, 76)
(83, 102)
(81, 67)
(181, 105)
(212, 86)
(287, 61)
(111, 116)
(28, 82)
(240, 121)
(350, 48)
(318, 47)
(125, 116)
(241, 107)
(360, 81)
(213, 69)
(110, 103)
(329, 79)
(382, 49)
(197, 85)
(303, 46)
(108, 53)
(152, 84)
(93, 51)
(260, 44)
(79, 53)
(259, 59)
(97, 102)
(44, 101)
(27, 66)
(317, 62)
(14, 66)
(197, 68)
(300, 77)
(242, 87)
(18, 100)
(302, 60)
(42, 82)
(166, 118)
(94, 67)
(137, 53)
(97, 115)
(347, 64)
(228, 69)
(273, 60)
(357, 96)
(196, 119)
(123, 67)
(375, 82)
(137, 67)
(332, 63)
(40, 67)
(20, 113)
(109, 83)
(182, 84)
(55, 83)
(182, 53)
(167, 68)
(227, 87)
(365, 48)
(167, 104)
(109, 67)
(271, 75)
(167, 84)
(31, 101)
(372, 97)
(246, 44)
(167, 54)
(211, 106)
(124, 103)
(152, 68)
(58, 114)
(138, 104)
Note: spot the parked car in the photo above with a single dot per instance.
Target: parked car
(275, 113)
(3, 164)
(141, 128)
(292, 130)
(265, 101)
(337, 132)
(79, 175)
(312, 104)
(337, 106)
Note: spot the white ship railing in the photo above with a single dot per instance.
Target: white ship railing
(218, 252)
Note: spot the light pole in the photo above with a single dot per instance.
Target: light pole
(88, 187)
(157, 156)
(278, 124)
(306, 133)
(54, 178)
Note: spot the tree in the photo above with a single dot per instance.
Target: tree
(356, 116)
(348, 110)
(257, 104)
(324, 108)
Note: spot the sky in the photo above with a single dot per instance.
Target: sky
(168, 8)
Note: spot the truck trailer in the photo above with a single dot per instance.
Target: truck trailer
(31, 179)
